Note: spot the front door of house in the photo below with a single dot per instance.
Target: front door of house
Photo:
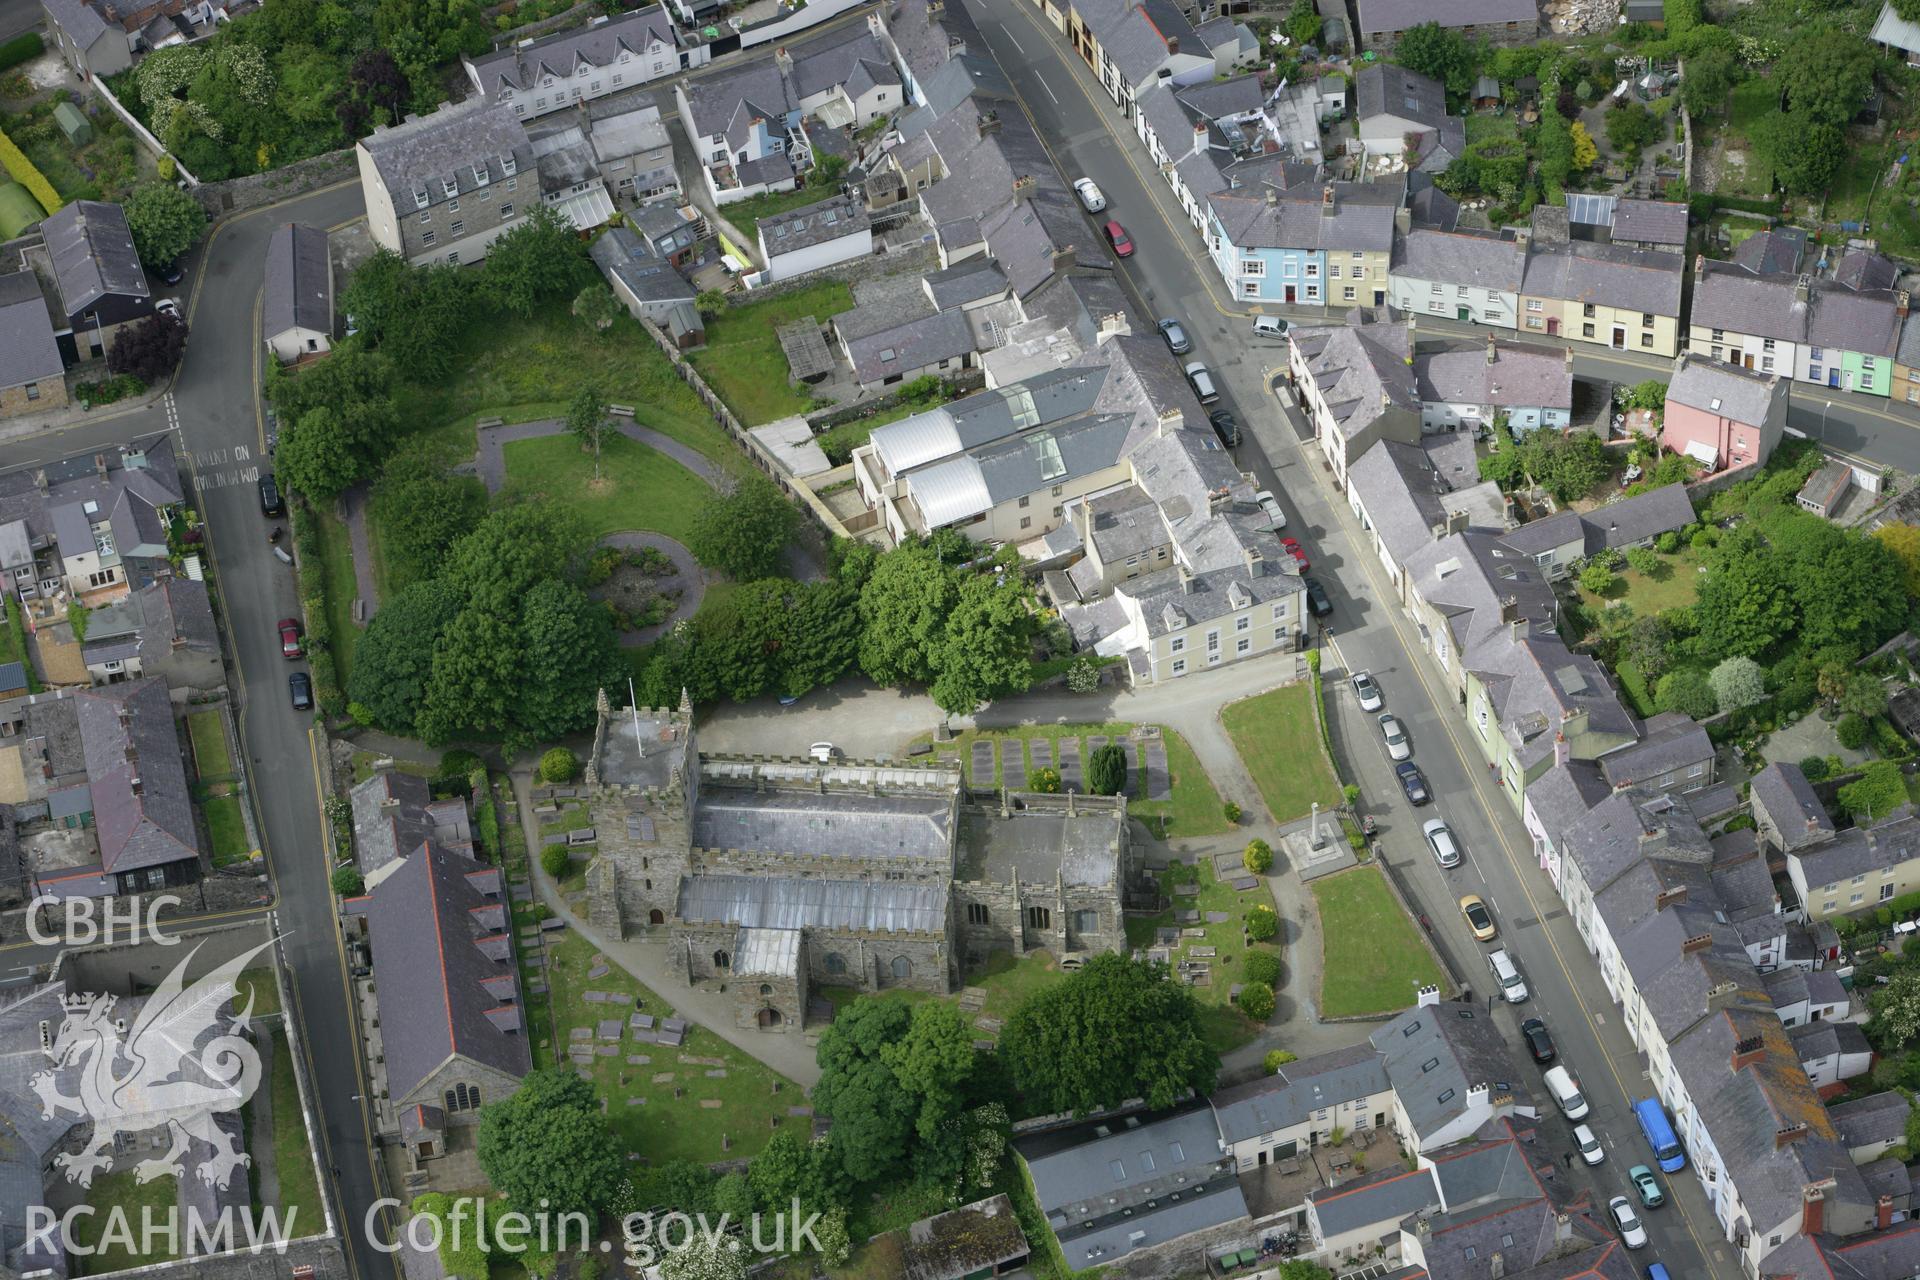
(1747, 359)
(1619, 338)
(1553, 326)
(1379, 297)
(1289, 294)
(1463, 313)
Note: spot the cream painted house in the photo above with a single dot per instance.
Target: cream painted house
(1604, 294)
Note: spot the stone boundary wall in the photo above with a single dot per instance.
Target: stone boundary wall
(574, 17)
(140, 131)
(237, 195)
(809, 502)
(965, 382)
(920, 257)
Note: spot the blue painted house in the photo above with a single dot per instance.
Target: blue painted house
(1306, 247)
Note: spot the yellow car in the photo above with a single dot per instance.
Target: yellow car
(1479, 919)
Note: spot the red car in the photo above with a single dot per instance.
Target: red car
(289, 638)
(1117, 237)
(1298, 552)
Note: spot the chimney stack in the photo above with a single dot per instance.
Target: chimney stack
(783, 60)
(1063, 258)
(1562, 751)
(1253, 561)
(1883, 1213)
(1747, 1052)
(1493, 352)
(1673, 895)
(1786, 1135)
(1023, 187)
(100, 465)
(1569, 359)
(1696, 944)
(1801, 287)
(989, 122)
(1173, 45)
(1813, 1200)
(1273, 197)
(1699, 266)
(1496, 1265)
(1326, 201)
(1186, 580)
(1170, 422)
(1900, 303)
(1522, 627)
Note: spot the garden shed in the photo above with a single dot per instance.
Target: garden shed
(74, 125)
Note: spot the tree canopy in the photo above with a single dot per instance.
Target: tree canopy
(150, 348)
(1825, 75)
(1440, 52)
(539, 259)
(744, 530)
(549, 1143)
(165, 222)
(422, 510)
(1118, 1028)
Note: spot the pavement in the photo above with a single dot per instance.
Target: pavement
(1170, 276)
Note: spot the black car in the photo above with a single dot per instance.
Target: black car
(1226, 427)
(1413, 783)
(300, 685)
(1539, 1040)
(1318, 602)
(270, 500)
(1176, 335)
(174, 272)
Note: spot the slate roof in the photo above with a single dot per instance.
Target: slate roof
(832, 60)
(1137, 35)
(142, 810)
(1407, 496)
(79, 20)
(1863, 269)
(926, 41)
(1381, 1198)
(1565, 794)
(847, 825)
(968, 280)
(1467, 578)
(443, 963)
(28, 352)
(1084, 1178)
(461, 142)
(714, 101)
(1643, 280)
(1360, 370)
(1789, 801)
(299, 285)
(1909, 351)
(1735, 300)
(1778, 250)
(621, 253)
(93, 254)
(1471, 1053)
(596, 45)
(1291, 1095)
(1671, 741)
(1401, 15)
(1631, 520)
(907, 347)
(1713, 386)
(394, 812)
(1386, 89)
(1867, 322)
(1536, 683)
(1859, 850)
(1878, 1117)
(1609, 841)
(834, 218)
(1255, 222)
(1656, 222)
(1459, 257)
(1517, 376)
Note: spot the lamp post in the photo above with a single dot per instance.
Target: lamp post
(1823, 421)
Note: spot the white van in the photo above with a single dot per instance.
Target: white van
(1566, 1092)
(1507, 974)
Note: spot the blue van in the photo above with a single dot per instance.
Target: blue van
(1658, 1271)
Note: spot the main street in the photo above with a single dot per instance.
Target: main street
(216, 411)
(1173, 277)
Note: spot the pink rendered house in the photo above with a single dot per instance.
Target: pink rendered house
(1722, 416)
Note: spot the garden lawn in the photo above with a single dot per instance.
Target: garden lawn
(107, 168)
(226, 829)
(1481, 126)
(299, 1204)
(11, 647)
(210, 755)
(519, 370)
(259, 983)
(1676, 587)
(1226, 1027)
(1372, 959)
(742, 360)
(336, 552)
(1272, 733)
(1752, 99)
(639, 488)
(665, 1127)
(744, 213)
(118, 1190)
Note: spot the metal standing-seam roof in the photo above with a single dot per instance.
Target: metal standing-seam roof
(787, 902)
(766, 953)
(299, 285)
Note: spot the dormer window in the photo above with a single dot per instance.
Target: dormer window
(419, 197)
(481, 175)
(451, 186)
(507, 165)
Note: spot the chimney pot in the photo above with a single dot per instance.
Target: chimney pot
(1747, 1052)
(1326, 199)
(1698, 942)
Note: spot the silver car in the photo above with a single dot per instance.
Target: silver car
(1398, 748)
(1271, 507)
(1090, 195)
(1369, 692)
(1440, 840)
(1632, 1234)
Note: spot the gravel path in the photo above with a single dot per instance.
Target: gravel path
(353, 509)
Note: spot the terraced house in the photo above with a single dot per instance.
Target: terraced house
(1330, 247)
(1132, 43)
(1467, 276)
(1227, 136)
(606, 56)
(1610, 295)
(1841, 332)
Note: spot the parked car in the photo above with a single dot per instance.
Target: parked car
(174, 272)
(1647, 1185)
(1371, 699)
(1632, 1234)
(1479, 919)
(1269, 327)
(1089, 194)
(822, 751)
(168, 307)
(271, 503)
(289, 638)
(300, 685)
(1439, 839)
(1398, 748)
(1226, 426)
(1539, 1040)
(1202, 382)
(1298, 552)
(1117, 237)
(1413, 782)
(1271, 505)
(1319, 604)
(1590, 1149)
(1176, 335)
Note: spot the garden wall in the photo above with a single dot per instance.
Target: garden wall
(809, 502)
(236, 195)
(919, 258)
(147, 139)
(962, 383)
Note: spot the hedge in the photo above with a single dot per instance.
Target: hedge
(313, 603)
(21, 49)
(22, 171)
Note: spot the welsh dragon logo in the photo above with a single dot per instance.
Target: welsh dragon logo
(183, 1061)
